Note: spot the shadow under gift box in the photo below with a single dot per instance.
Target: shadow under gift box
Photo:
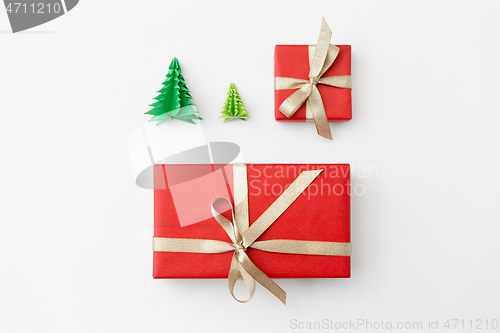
(320, 213)
(293, 61)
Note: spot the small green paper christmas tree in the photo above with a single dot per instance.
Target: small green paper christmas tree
(233, 107)
(174, 100)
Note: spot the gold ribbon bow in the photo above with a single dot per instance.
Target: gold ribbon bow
(243, 235)
(321, 58)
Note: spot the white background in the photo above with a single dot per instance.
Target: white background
(75, 232)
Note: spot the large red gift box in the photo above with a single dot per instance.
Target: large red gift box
(182, 209)
(293, 61)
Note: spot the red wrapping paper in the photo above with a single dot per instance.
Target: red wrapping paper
(320, 213)
(293, 61)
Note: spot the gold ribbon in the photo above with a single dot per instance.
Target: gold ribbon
(243, 235)
(321, 57)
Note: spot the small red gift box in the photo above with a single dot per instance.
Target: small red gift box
(293, 61)
(182, 198)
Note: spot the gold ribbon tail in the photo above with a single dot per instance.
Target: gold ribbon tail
(315, 103)
(261, 277)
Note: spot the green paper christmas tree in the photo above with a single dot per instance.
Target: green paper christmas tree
(174, 100)
(233, 107)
